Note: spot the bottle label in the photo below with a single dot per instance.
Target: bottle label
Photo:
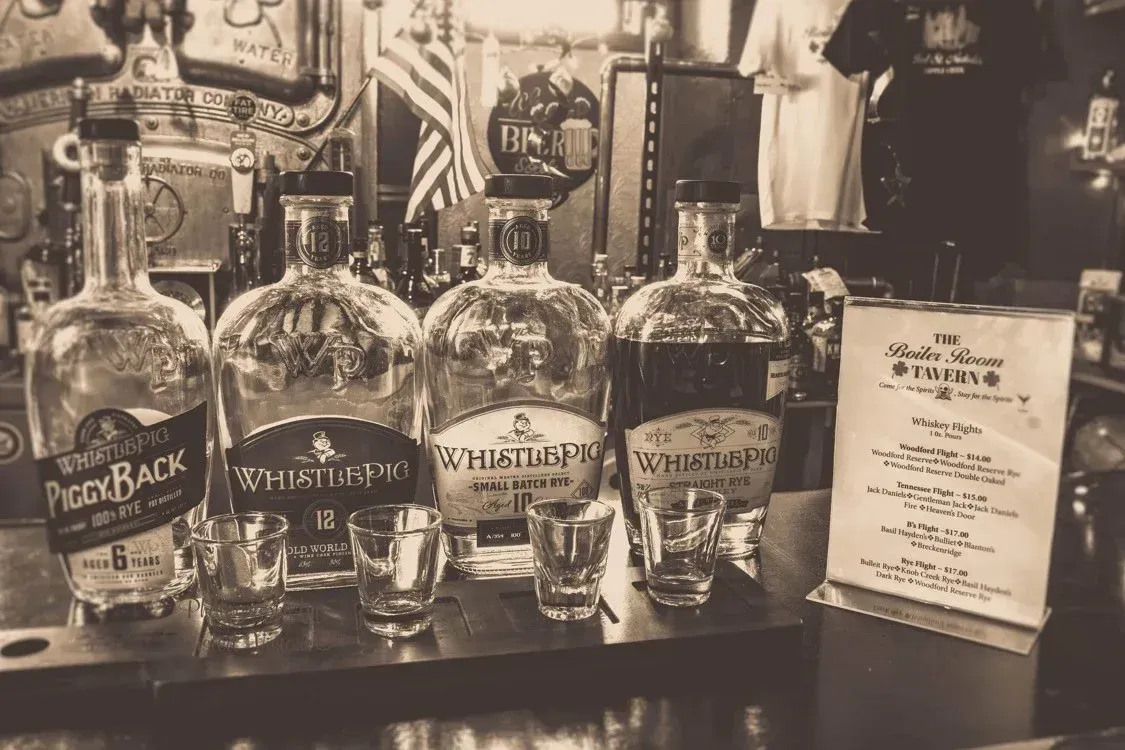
(318, 241)
(730, 451)
(489, 464)
(316, 472)
(124, 478)
(706, 238)
(820, 352)
(778, 379)
(520, 240)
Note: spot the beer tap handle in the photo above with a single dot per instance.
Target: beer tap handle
(243, 107)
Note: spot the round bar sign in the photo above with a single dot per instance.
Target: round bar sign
(243, 106)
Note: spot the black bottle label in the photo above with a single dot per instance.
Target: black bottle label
(123, 478)
(318, 241)
(316, 472)
(520, 240)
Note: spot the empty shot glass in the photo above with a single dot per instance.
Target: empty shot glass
(396, 563)
(569, 548)
(680, 529)
(240, 560)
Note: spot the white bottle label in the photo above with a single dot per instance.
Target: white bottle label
(141, 561)
(729, 451)
(778, 379)
(491, 463)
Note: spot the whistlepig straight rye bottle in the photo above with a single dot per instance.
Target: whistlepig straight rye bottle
(319, 404)
(700, 367)
(119, 399)
(515, 387)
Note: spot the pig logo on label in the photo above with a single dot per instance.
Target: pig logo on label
(322, 451)
(522, 431)
(712, 432)
(105, 426)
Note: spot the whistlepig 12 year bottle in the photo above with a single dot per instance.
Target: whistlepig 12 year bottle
(118, 393)
(700, 369)
(515, 387)
(319, 405)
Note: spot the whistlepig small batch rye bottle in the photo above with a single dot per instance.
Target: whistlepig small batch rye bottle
(119, 399)
(700, 367)
(515, 387)
(319, 398)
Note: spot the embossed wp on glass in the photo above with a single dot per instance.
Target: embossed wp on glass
(119, 399)
(569, 546)
(319, 404)
(396, 562)
(515, 387)
(680, 531)
(700, 369)
(241, 560)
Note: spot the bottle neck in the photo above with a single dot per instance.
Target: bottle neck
(317, 235)
(416, 259)
(706, 232)
(113, 226)
(519, 242)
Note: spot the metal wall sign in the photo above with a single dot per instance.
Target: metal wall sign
(949, 438)
(549, 127)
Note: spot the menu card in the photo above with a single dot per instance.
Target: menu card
(948, 440)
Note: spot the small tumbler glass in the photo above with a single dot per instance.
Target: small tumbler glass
(569, 547)
(680, 529)
(396, 564)
(240, 559)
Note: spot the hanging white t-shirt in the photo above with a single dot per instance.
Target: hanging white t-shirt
(809, 171)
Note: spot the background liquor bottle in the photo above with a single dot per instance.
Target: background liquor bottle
(359, 269)
(415, 288)
(377, 257)
(468, 265)
(795, 304)
(118, 393)
(825, 336)
(699, 375)
(806, 383)
(319, 401)
(515, 387)
(441, 277)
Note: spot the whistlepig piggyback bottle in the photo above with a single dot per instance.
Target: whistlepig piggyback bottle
(119, 399)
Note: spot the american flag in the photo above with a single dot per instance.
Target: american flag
(430, 78)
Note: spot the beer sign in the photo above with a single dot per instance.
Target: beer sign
(549, 127)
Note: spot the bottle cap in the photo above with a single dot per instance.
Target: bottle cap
(108, 129)
(518, 186)
(317, 183)
(708, 191)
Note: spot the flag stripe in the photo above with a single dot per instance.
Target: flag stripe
(431, 80)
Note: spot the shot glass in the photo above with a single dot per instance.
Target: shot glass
(569, 547)
(396, 563)
(680, 529)
(240, 559)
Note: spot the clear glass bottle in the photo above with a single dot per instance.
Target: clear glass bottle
(319, 398)
(358, 268)
(515, 387)
(699, 376)
(119, 399)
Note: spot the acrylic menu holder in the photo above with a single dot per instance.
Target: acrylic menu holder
(948, 443)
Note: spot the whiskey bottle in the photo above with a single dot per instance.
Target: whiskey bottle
(467, 263)
(441, 277)
(515, 387)
(377, 257)
(119, 399)
(359, 269)
(699, 376)
(415, 288)
(319, 404)
(825, 336)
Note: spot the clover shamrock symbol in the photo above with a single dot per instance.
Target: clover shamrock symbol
(991, 379)
(899, 369)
